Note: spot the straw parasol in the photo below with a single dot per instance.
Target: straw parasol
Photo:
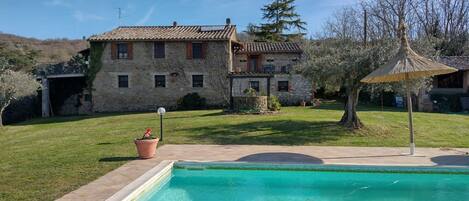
(406, 65)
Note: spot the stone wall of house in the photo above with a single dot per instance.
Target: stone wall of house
(86, 105)
(240, 62)
(142, 94)
(70, 106)
(299, 87)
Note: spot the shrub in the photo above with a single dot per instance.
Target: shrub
(274, 103)
(250, 104)
(22, 109)
(191, 101)
(14, 85)
(250, 92)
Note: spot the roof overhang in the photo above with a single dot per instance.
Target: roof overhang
(150, 40)
(250, 75)
(63, 76)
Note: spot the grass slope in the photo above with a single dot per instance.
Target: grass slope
(43, 159)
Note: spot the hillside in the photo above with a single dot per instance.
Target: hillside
(49, 51)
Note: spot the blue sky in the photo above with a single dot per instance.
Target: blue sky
(77, 18)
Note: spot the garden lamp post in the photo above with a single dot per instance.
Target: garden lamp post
(161, 112)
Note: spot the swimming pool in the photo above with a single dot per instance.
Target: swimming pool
(246, 181)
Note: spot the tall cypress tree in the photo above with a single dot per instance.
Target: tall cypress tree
(280, 16)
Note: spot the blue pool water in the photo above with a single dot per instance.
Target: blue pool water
(284, 185)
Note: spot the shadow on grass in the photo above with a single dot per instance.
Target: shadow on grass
(64, 119)
(118, 159)
(209, 114)
(452, 160)
(283, 157)
(104, 143)
(280, 132)
(360, 107)
(375, 108)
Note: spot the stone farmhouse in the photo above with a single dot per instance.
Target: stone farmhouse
(148, 66)
(143, 67)
(453, 84)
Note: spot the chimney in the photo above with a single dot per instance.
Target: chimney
(175, 24)
(228, 21)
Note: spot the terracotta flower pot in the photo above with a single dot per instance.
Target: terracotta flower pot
(146, 148)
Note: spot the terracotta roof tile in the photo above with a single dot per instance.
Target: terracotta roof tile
(459, 62)
(211, 32)
(271, 47)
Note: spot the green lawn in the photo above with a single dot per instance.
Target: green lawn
(43, 159)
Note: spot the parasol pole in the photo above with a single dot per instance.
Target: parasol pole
(409, 109)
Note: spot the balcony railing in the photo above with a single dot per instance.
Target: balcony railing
(268, 69)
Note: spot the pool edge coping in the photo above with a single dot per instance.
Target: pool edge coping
(138, 186)
(347, 167)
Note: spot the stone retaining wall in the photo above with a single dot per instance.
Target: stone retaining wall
(250, 103)
(299, 88)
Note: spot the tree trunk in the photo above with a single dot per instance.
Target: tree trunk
(350, 118)
(3, 106)
(1, 114)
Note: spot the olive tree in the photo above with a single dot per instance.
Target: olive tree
(354, 42)
(341, 63)
(14, 85)
(343, 55)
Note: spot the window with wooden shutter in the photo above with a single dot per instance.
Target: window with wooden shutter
(259, 63)
(130, 50)
(253, 63)
(204, 50)
(197, 50)
(113, 50)
(159, 48)
(122, 51)
(189, 50)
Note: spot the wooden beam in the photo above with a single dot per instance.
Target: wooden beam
(268, 87)
(45, 98)
(66, 75)
(231, 93)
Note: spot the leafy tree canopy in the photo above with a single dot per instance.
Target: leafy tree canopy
(17, 59)
(14, 85)
(280, 16)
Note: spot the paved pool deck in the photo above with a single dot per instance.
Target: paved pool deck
(105, 186)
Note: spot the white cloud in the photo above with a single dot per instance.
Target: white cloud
(81, 16)
(147, 16)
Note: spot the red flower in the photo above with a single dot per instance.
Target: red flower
(147, 133)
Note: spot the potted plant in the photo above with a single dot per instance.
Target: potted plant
(146, 146)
